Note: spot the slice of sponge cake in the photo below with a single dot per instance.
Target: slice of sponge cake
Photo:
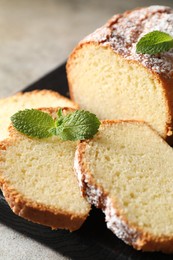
(38, 181)
(33, 99)
(127, 171)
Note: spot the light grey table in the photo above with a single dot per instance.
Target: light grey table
(36, 37)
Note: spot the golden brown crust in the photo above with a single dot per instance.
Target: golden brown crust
(43, 92)
(38, 213)
(114, 215)
(168, 90)
(52, 110)
(31, 210)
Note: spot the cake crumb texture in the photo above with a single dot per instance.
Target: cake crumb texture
(38, 181)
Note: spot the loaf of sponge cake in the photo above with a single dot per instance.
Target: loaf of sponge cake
(107, 77)
(38, 181)
(126, 170)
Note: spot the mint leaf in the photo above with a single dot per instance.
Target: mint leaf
(154, 42)
(33, 123)
(78, 125)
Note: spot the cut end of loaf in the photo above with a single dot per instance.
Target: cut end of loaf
(115, 88)
(127, 171)
(108, 77)
(38, 180)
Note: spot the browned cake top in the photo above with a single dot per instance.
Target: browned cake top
(123, 31)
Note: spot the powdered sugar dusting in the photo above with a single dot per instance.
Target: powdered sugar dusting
(92, 195)
(127, 29)
(96, 196)
(77, 169)
(100, 35)
(118, 226)
(115, 222)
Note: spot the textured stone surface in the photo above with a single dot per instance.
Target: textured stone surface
(13, 245)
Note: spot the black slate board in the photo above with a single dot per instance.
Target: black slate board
(93, 241)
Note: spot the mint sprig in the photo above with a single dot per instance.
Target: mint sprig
(78, 125)
(154, 42)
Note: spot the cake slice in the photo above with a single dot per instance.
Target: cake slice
(33, 99)
(38, 181)
(127, 171)
(107, 77)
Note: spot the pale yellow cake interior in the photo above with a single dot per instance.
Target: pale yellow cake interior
(114, 88)
(135, 168)
(42, 171)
